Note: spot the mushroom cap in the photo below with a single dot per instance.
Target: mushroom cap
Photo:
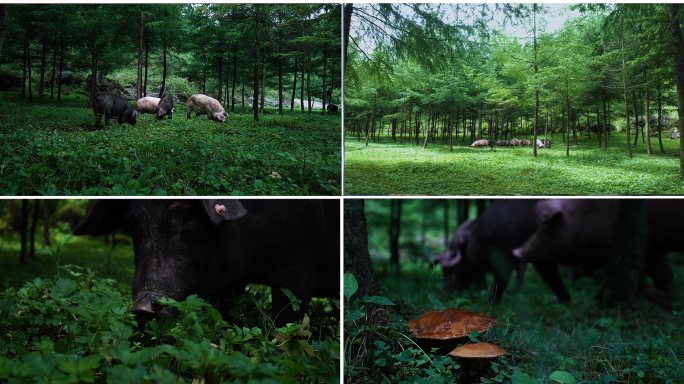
(450, 323)
(478, 350)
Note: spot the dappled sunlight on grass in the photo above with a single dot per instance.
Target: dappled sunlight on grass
(392, 168)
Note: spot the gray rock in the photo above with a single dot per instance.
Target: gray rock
(101, 80)
(8, 81)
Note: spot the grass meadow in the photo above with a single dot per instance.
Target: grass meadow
(55, 150)
(388, 167)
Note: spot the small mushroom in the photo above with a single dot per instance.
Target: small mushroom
(450, 323)
(479, 351)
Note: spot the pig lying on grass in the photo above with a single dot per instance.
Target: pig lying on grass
(207, 105)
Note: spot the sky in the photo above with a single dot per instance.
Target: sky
(554, 19)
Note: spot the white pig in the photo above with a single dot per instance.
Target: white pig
(207, 105)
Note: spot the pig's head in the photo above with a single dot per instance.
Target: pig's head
(220, 117)
(131, 119)
(177, 244)
(454, 260)
(550, 223)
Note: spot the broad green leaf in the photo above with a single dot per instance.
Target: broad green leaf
(377, 300)
(562, 377)
(350, 285)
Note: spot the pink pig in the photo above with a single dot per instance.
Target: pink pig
(207, 105)
(148, 105)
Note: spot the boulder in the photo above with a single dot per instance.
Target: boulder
(8, 81)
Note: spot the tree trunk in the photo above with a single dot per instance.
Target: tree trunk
(647, 116)
(606, 127)
(394, 228)
(346, 24)
(280, 78)
(24, 231)
(263, 79)
(536, 91)
(255, 97)
(140, 52)
(147, 54)
(308, 81)
(59, 78)
(93, 64)
(232, 97)
(325, 62)
(660, 121)
(624, 88)
(54, 68)
(294, 87)
(220, 78)
(163, 86)
(43, 56)
(23, 68)
(636, 118)
(301, 87)
(356, 257)
(34, 224)
(4, 11)
(626, 259)
(679, 75)
(46, 221)
(462, 210)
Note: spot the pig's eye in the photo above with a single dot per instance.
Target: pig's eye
(189, 223)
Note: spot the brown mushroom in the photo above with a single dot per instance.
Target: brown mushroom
(450, 323)
(478, 350)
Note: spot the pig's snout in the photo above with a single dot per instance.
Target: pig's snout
(145, 305)
(518, 252)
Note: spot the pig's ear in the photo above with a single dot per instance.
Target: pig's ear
(223, 210)
(103, 216)
(450, 258)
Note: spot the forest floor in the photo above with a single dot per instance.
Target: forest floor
(592, 343)
(388, 167)
(50, 306)
(56, 150)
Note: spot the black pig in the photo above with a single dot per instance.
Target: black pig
(579, 232)
(485, 245)
(165, 107)
(214, 247)
(332, 109)
(111, 105)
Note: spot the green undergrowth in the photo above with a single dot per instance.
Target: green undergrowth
(55, 150)
(105, 261)
(78, 328)
(388, 167)
(546, 341)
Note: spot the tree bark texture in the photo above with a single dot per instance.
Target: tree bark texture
(263, 79)
(346, 24)
(394, 230)
(34, 224)
(4, 11)
(59, 78)
(626, 259)
(43, 58)
(163, 86)
(294, 86)
(24, 231)
(679, 75)
(46, 222)
(140, 52)
(232, 97)
(255, 97)
(356, 257)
